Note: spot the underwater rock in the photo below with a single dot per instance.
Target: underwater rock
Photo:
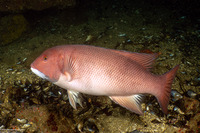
(11, 28)
(191, 106)
(21, 5)
(41, 119)
(194, 123)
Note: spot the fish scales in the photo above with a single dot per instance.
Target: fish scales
(121, 75)
(103, 69)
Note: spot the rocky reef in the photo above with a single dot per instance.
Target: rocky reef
(12, 27)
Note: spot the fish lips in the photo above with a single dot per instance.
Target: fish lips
(38, 73)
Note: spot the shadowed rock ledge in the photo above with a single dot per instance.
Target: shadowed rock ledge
(21, 5)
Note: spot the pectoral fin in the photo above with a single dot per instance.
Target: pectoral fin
(69, 69)
(74, 97)
(131, 103)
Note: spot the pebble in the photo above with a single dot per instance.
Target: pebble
(26, 126)
(2, 127)
(80, 127)
(176, 95)
(9, 69)
(89, 38)
(23, 121)
(122, 35)
(19, 73)
(178, 110)
(24, 59)
(46, 89)
(191, 94)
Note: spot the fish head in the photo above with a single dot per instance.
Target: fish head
(48, 65)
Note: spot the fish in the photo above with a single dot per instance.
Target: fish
(121, 75)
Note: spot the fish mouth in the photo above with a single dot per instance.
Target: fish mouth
(38, 73)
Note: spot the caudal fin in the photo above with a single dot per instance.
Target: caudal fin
(164, 95)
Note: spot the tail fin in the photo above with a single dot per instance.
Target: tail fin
(164, 95)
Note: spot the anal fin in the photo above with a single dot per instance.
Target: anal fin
(74, 97)
(132, 103)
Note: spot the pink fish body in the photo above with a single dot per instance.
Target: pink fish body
(121, 75)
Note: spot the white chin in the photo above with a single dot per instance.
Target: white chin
(38, 73)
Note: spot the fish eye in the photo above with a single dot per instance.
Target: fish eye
(45, 58)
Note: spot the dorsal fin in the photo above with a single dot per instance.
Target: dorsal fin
(146, 60)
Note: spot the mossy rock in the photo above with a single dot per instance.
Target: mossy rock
(11, 28)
